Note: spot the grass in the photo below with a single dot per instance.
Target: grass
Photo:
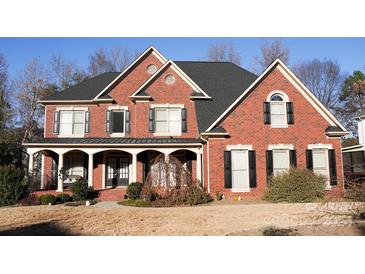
(136, 203)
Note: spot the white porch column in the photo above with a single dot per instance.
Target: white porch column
(134, 167)
(199, 166)
(42, 171)
(60, 177)
(31, 162)
(90, 170)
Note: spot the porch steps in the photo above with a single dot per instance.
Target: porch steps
(115, 194)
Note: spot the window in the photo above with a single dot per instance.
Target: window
(118, 121)
(240, 174)
(280, 160)
(168, 120)
(74, 165)
(170, 79)
(151, 69)
(278, 111)
(320, 163)
(72, 122)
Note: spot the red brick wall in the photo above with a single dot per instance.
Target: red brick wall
(245, 126)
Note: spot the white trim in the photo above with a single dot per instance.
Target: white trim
(117, 107)
(167, 108)
(199, 97)
(215, 134)
(238, 147)
(281, 146)
(283, 94)
(350, 148)
(155, 52)
(151, 145)
(297, 83)
(186, 78)
(167, 105)
(319, 146)
(247, 179)
(72, 108)
(65, 101)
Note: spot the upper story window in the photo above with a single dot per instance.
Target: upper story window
(278, 111)
(167, 120)
(72, 122)
(117, 121)
(151, 69)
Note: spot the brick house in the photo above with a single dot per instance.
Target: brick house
(231, 128)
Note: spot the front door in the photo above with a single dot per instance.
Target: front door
(117, 171)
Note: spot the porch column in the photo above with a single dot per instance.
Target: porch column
(199, 167)
(134, 167)
(60, 176)
(90, 169)
(42, 172)
(31, 162)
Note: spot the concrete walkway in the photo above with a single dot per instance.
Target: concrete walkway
(107, 204)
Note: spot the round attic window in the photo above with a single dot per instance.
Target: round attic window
(169, 79)
(151, 69)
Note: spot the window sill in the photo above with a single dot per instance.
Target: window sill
(279, 126)
(72, 136)
(236, 190)
(117, 134)
(166, 134)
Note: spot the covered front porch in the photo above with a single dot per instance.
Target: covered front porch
(108, 166)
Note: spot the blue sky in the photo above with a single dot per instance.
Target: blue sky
(349, 52)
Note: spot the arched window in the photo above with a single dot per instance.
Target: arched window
(278, 111)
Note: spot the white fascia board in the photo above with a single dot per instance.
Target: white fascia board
(109, 145)
(155, 52)
(294, 80)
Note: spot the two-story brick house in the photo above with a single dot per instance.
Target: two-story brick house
(231, 128)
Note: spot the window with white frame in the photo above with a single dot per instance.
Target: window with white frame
(118, 121)
(320, 162)
(168, 120)
(280, 160)
(74, 165)
(240, 169)
(72, 122)
(278, 110)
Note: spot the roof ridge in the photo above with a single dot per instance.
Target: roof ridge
(179, 61)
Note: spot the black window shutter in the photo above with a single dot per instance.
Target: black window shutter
(87, 122)
(56, 122)
(184, 122)
(252, 168)
(333, 169)
(309, 157)
(227, 170)
(269, 164)
(290, 112)
(151, 120)
(267, 118)
(293, 158)
(108, 121)
(127, 121)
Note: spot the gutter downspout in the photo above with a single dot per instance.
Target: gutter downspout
(208, 169)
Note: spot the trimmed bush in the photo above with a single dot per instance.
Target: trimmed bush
(134, 190)
(355, 191)
(13, 184)
(295, 186)
(136, 203)
(80, 190)
(47, 199)
(196, 195)
(63, 198)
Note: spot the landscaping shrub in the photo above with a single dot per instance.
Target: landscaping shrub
(63, 198)
(218, 195)
(275, 231)
(47, 199)
(134, 190)
(355, 191)
(196, 195)
(29, 200)
(81, 191)
(13, 184)
(295, 186)
(136, 203)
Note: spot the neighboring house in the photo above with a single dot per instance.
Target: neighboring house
(231, 128)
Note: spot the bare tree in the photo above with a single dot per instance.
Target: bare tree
(115, 59)
(65, 74)
(30, 86)
(224, 53)
(324, 78)
(270, 51)
(5, 107)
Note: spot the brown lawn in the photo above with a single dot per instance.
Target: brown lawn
(215, 219)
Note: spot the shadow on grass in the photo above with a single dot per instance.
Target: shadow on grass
(41, 229)
(361, 229)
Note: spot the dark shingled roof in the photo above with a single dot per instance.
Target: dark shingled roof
(86, 90)
(223, 81)
(218, 130)
(117, 141)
